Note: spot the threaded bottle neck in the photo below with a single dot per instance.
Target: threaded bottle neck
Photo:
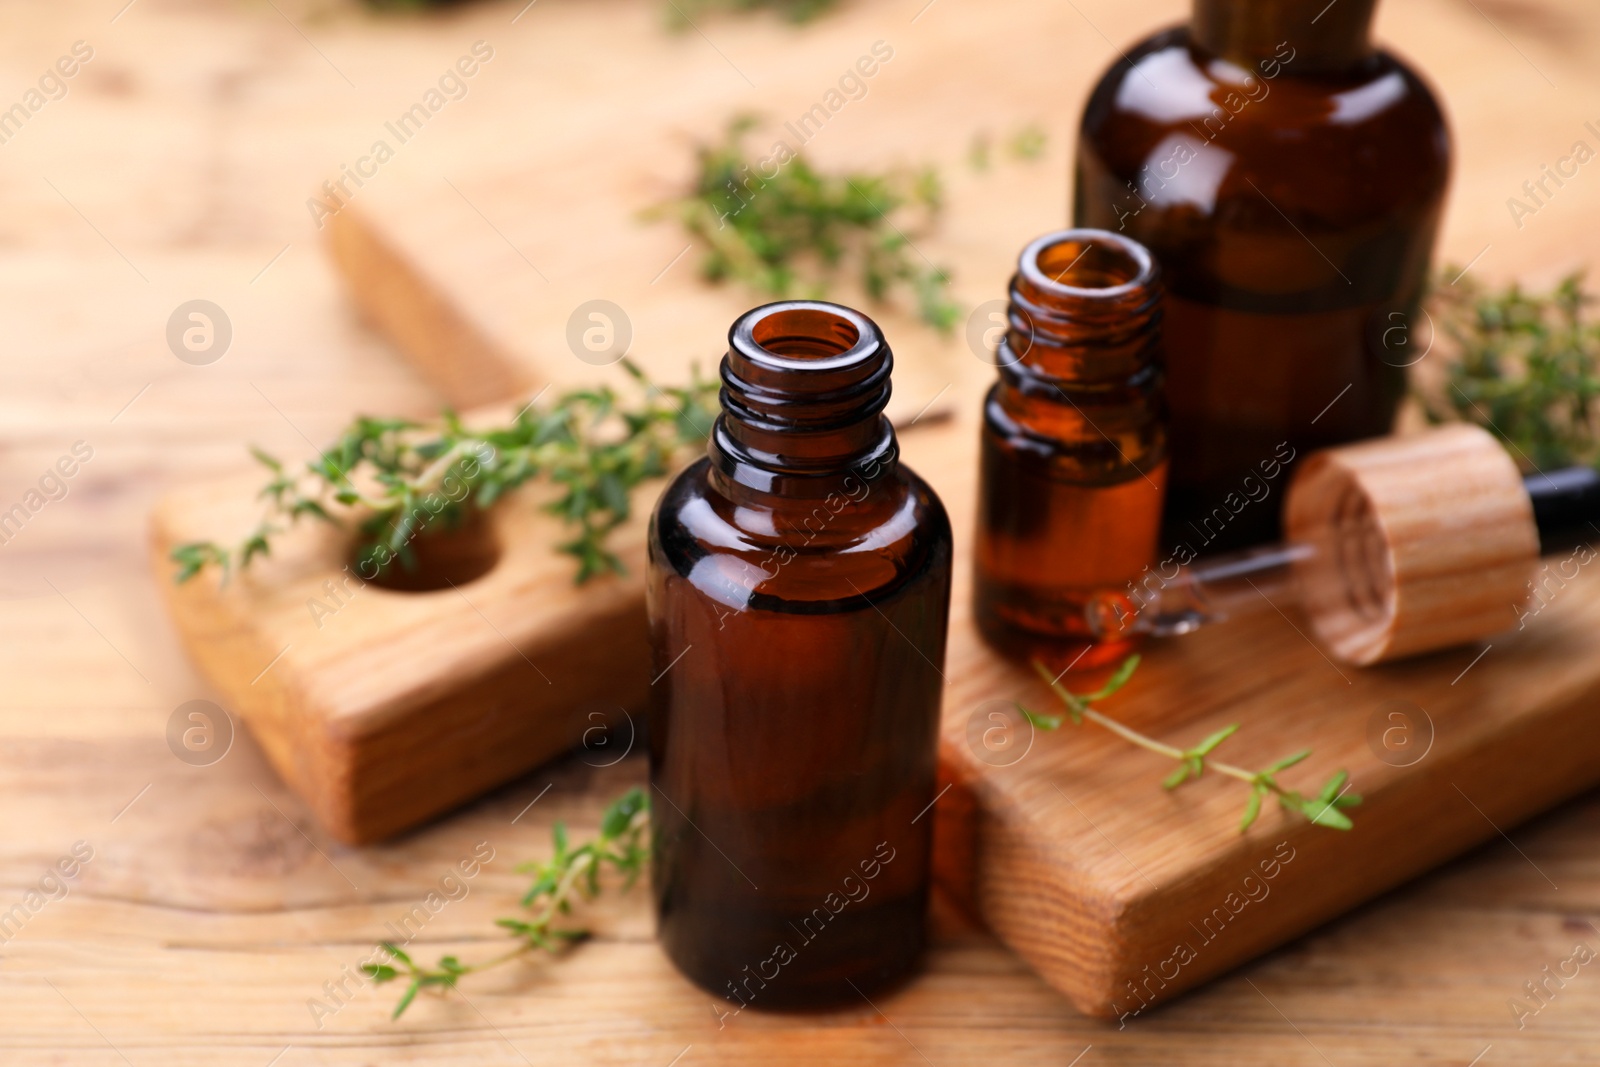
(804, 385)
(1085, 310)
(1081, 367)
(1319, 36)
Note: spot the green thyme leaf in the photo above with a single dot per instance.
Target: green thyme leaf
(1525, 366)
(778, 225)
(1042, 722)
(589, 443)
(1192, 763)
(570, 870)
(1252, 809)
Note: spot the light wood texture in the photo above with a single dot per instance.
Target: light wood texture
(403, 704)
(480, 271)
(452, 301)
(384, 708)
(1422, 543)
(1123, 895)
(215, 907)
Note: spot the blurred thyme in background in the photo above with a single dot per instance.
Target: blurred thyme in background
(589, 443)
(1524, 367)
(1027, 144)
(570, 872)
(798, 228)
(1324, 809)
(681, 12)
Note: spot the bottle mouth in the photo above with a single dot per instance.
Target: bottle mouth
(802, 337)
(805, 364)
(804, 385)
(804, 332)
(1087, 264)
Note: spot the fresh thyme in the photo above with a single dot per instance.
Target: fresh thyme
(680, 12)
(1526, 366)
(1324, 809)
(568, 873)
(1027, 144)
(398, 477)
(796, 228)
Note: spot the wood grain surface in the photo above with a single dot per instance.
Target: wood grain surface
(383, 708)
(1423, 542)
(213, 910)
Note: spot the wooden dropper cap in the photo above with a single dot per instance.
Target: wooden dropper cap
(1421, 542)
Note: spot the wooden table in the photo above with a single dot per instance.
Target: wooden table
(213, 913)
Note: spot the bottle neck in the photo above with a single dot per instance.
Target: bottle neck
(804, 385)
(1083, 332)
(1301, 35)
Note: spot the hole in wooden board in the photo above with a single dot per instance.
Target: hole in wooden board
(452, 548)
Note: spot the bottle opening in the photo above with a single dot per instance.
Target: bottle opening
(805, 333)
(804, 385)
(1087, 263)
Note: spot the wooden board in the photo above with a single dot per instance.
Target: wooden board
(474, 257)
(403, 704)
(1123, 895)
(385, 708)
(216, 906)
(475, 268)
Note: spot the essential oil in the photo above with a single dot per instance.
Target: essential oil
(1290, 179)
(1074, 449)
(798, 591)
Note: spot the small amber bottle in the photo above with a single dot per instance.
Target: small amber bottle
(1074, 450)
(798, 591)
(1290, 177)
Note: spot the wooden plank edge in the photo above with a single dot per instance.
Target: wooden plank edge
(1116, 961)
(435, 336)
(366, 785)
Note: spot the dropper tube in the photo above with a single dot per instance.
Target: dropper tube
(1206, 591)
(1399, 546)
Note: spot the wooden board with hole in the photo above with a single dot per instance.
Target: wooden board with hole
(398, 705)
(481, 248)
(447, 251)
(383, 707)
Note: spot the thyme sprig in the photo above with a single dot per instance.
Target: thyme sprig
(1026, 144)
(1324, 809)
(799, 227)
(571, 872)
(680, 12)
(396, 478)
(1525, 366)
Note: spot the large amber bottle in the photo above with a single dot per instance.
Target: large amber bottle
(1289, 177)
(799, 589)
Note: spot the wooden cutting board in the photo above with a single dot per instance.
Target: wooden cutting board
(1119, 893)
(525, 200)
(472, 254)
(1122, 894)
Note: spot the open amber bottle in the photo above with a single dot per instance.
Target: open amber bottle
(1074, 449)
(1290, 177)
(798, 594)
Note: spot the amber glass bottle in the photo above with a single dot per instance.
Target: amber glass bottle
(1289, 177)
(799, 587)
(1074, 452)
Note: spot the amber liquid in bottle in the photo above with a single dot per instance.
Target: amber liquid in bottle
(798, 592)
(1074, 456)
(1290, 178)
